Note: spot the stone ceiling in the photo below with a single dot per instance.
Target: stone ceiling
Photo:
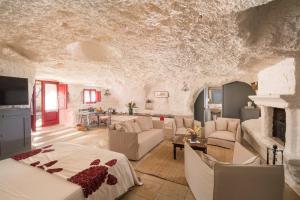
(105, 42)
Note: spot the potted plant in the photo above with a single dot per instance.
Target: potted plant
(131, 105)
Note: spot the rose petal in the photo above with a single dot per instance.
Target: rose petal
(111, 162)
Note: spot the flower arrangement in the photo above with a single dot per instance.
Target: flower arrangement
(195, 132)
(130, 106)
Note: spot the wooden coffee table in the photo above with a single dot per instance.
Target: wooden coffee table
(178, 141)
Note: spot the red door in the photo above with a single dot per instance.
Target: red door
(50, 111)
(33, 110)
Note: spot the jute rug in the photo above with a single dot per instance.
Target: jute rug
(160, 163)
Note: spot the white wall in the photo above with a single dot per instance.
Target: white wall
(278, 79)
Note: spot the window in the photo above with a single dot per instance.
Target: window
(89, 96)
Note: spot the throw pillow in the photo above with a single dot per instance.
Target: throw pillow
(145, 123)
(179, 122)
(210, 161)
(136, 127)
(221, 124)
(188, 122)
(120, 127)
(252, 161)
(112, 127)
(128, 126)
(232, 126)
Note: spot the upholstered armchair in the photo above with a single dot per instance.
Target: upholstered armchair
(223, 132)
(182, 123)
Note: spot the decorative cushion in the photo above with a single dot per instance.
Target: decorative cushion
(136, 127)
(120, 127)
(188, 122)
(209, 160)
(145, 123)
(112, 127)
(128, 126)
(232, 126)
(252, 161)
(179, 122)
(221, 124)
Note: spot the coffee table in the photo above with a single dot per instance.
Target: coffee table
(178, 142)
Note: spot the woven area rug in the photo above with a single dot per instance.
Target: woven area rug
(160, 163)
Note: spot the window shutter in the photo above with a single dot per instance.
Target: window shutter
(63, 96)
(98, 96)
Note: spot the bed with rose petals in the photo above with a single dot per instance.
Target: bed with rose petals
(66, 171)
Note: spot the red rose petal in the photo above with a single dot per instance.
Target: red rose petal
(111, 162)
(35, 163)
(47, 150)
(95, 162)
(51, 171)
(41, 167)
(25, 155)
(46, 147)
(111, 180)
(49, 164)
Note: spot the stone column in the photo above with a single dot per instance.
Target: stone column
(266, 121)
(292, 135)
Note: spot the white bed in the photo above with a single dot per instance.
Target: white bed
(20, 180)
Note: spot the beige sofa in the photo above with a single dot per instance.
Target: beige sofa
(241, 180)
(223, 132)
(136, 137)
(182, 123)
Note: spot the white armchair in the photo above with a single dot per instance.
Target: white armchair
(182, 123)
(236, 181)
(223, 132)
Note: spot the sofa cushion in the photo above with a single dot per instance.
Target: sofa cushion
(136, 127)
(147, 140)
(188, 122)
(128, 126)
(180, 131)
(222, 139)
(145, 123)
(221, 124)
(179, 122)
(232, 126)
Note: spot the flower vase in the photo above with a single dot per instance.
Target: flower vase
(130, 111)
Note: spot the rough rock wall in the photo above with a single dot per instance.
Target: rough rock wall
(129, 45)
(278, 79)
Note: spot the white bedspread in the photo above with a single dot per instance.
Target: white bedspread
(19, 180)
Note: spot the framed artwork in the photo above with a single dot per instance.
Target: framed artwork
(161, 94)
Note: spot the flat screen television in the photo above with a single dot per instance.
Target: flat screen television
(13, 91)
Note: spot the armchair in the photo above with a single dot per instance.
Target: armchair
(182, 123)
(223, 132)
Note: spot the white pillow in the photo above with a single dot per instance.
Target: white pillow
(128, 126)
(179, 122)
(232, 126)
(136, 127)
(221, 124)
(145, 123)
(252, 161)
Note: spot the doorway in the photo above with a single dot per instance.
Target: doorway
(45, 104)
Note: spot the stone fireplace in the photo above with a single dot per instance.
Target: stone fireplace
(278, 97)
(279, 124)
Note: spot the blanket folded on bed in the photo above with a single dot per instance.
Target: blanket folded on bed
(99, 172)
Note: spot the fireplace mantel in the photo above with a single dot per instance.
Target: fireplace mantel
(276, 101)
